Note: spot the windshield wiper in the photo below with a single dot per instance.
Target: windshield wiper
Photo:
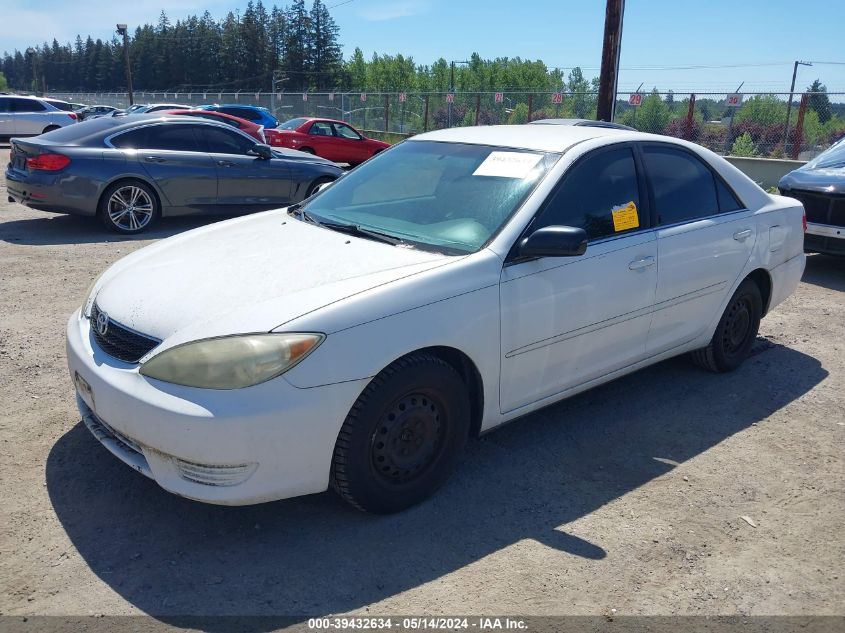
(359, 231)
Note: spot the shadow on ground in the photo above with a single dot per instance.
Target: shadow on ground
(315, 555)
(69, 229)
(826, 271)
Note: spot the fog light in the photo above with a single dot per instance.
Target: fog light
(214, 475)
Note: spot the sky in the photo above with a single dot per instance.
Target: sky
(671, 44)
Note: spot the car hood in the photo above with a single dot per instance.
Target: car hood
(251, 274)
(822, 180)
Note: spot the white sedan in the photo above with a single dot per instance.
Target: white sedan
(459, 280)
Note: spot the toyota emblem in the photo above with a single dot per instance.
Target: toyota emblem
(102, 323)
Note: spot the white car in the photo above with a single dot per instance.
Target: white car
(29, 116)
(457, 281)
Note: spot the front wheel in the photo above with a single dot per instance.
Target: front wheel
(403, 436)
(128, 207)
(735, 334)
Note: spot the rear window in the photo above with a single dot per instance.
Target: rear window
(292, 124)
(61, 105)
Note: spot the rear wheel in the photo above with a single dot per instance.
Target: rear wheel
(735, 334)
(129, 207)
(403, 436)
(312, 188)
(307, 150)
(50, 128)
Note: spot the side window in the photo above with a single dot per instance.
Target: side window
(4, 104)
(178, 138)
(321, 128)
(727, 200)
(222, 141)
(344, 131)
(26, 105)
(243, 113)
(684, 188)
(133, 139)
(599, 194)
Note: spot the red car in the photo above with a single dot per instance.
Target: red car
(327, 138)
(247, 127)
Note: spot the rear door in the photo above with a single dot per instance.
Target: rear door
(322, 141)
(245, 182)
(29, 116)
(705, 236)
(171, 155)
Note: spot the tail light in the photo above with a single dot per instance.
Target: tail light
(48, 162)
(72, 115)
(804, 221)
(261, 134)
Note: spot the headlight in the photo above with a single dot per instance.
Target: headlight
(88, 301)
(231, 362)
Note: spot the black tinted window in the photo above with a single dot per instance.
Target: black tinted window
(684, 188)
(178, 138)
(599, 194)
(727, 200)
(133, 139)
(4, 104)
(243, 113)
(26, 105)
(222, 141)
(61, 105)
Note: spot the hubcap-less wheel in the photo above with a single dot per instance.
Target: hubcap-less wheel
(737, 325)
(407, 439)
(130, 208)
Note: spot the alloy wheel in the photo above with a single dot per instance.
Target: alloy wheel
(130, 208)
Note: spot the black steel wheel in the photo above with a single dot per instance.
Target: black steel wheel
(403, 436)
(731, 343)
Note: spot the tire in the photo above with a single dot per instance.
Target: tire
(308, 150)
(403, 436)
(313, 186)
(116, 212)
(735, 334)
(50, 128)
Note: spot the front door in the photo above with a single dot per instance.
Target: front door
(566, 321)
(245, 182)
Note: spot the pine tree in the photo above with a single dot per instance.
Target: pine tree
(297, 47)
(326, 59)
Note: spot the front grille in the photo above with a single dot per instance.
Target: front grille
(821, 208)
(119, 341)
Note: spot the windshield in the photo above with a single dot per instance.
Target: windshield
(443, 196)
(292, 124)
(833, 156)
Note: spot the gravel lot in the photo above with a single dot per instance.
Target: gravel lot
(629, 497)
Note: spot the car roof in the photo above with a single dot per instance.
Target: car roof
(545, 138)
(584, 122)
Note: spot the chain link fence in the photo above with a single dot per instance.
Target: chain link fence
(750, 124)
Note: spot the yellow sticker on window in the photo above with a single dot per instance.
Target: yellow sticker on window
(625, 217)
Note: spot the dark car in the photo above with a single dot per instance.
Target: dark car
(820, 186)
(128, 171)
(256, 114)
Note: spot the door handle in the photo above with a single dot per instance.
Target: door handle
(155, 159)
(639, 264)
(225, 163)
(742, 235)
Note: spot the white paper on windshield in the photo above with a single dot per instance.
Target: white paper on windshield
(508, 164)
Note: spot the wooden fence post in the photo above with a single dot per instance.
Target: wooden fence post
(477, 107)
(799, 127)
(425, 116)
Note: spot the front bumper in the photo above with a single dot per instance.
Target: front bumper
(266, 442)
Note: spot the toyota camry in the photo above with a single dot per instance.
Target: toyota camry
(459, 280)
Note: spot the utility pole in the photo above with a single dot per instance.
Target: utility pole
(30, 52)
(789, 105)
(452, 86)
(122, 29)
(611, 50)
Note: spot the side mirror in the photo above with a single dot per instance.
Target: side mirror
(554, 241)
(264, 152)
